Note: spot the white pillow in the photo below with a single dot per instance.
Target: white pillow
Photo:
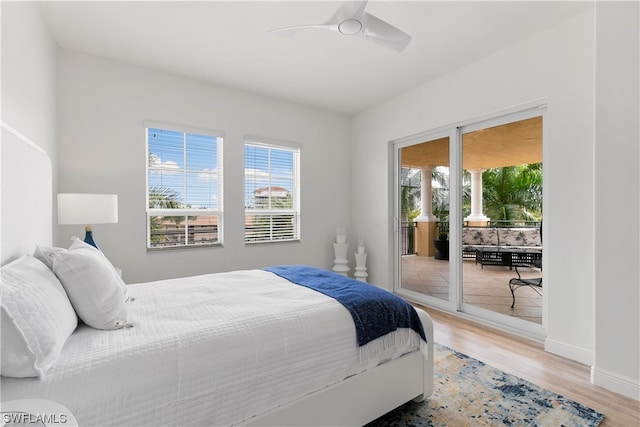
(46, 255)
(37, 318)
(93, 285)
(77, 244)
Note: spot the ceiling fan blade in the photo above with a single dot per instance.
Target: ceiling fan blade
(331, 24)
(383, 33)
(350, 10)
(290, 31)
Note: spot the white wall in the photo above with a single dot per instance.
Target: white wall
(29, 75)
(556, 64)
(559, 65)
(617, 201)
(101, 108)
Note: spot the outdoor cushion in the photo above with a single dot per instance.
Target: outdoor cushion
(479, 236)
(519, 237)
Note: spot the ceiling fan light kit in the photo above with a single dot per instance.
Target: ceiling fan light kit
(351, 19)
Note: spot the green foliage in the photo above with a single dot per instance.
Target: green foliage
(164, 198)
(513, 192)
(509, 193)
(440, 194)
(272, 226)
(409, 196)
(276, 202)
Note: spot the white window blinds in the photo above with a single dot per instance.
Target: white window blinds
(184, 187)
(271, 192)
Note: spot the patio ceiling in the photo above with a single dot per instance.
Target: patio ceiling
(515, 143)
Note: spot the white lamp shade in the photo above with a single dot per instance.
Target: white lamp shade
(80, 208)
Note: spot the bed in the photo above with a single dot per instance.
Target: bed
(252, 347)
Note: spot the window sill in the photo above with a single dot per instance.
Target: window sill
(181, 247)
(262, 242)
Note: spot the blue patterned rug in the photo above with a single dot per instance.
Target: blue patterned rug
(467, 392)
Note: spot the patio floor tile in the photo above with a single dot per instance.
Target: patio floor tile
(486, 287)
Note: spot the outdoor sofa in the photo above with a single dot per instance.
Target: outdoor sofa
(504, 246)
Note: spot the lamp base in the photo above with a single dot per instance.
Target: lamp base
(88, 237)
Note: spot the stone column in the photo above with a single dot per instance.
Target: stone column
(426, 231)
(477, 216)
(426, 204)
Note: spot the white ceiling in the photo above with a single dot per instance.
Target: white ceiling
(226, 43)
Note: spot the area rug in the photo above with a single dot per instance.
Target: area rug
(468, 392)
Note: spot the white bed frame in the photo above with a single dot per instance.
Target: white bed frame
(27, 195)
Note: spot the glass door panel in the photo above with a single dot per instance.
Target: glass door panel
(502, 218)
(424, 211)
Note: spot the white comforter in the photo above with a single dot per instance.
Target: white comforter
(207, 350)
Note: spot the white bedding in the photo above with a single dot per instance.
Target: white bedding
(207, 350)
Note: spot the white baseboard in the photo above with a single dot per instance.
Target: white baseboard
(578, 354)
(600, 377)
(616, 383)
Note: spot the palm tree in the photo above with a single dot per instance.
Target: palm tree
(513, 192)
(162, 198)
(440, 194)
(409, 194)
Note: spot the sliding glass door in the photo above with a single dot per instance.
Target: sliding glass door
(469, 218)
(502, 218)
(424, 214)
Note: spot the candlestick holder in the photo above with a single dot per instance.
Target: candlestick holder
(340, 263)
(361, 266)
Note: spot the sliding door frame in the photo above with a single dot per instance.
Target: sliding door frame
(455, 302)
(450, 132)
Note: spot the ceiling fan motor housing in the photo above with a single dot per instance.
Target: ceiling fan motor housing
(350, 26)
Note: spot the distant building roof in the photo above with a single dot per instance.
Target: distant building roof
(273, 191)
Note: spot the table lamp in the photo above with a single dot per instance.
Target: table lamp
(82, 208)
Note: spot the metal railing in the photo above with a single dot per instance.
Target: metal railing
(408, 238)
(513, 223)
(443, 226)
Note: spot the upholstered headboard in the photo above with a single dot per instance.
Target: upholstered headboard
(26, 192)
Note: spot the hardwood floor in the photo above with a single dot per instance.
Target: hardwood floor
(527, 359)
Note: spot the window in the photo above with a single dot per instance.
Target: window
(271, 192)
(184, 187)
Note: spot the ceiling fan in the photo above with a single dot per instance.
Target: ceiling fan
(351, 19)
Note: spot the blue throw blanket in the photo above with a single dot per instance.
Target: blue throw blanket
(375, 311)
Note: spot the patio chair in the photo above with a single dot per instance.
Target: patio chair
(534, 283)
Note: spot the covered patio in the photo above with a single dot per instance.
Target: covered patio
(486, 287)
(511, 144)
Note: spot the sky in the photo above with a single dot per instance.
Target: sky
(177, 158)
